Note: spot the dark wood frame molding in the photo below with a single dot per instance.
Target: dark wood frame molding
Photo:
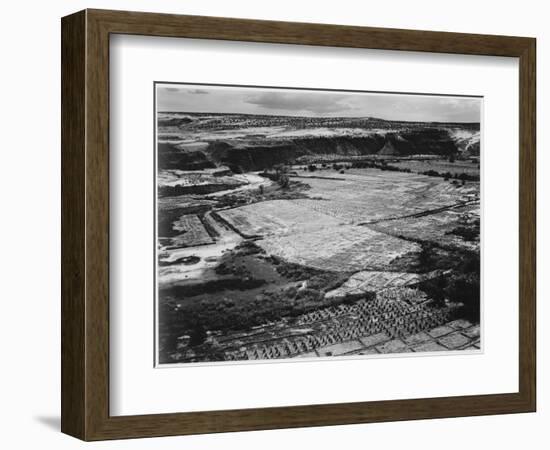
(85, 224)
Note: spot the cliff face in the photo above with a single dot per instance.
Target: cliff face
(428, 141)
(172, 157)
(193, 141)
(266, 153)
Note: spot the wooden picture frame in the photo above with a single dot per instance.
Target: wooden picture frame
(85, 224)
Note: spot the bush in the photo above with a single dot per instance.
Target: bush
(468, 233)
(460, 286)
(431, 173)
(425, 258)
(465, 289)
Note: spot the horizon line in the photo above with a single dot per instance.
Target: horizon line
(313, 117)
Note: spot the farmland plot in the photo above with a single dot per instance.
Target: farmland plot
(324, 231)
(188, 202)
(276, 217)
(398, 321)
(192, 231)
(341, 249)
(370, 195)
(438, 228)
(372, 281)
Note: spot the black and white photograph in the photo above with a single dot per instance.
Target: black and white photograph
(309, 223)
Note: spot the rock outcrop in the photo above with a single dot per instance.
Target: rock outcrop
(247, 142)
(172, 157)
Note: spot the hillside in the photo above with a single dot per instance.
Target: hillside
(191, 141)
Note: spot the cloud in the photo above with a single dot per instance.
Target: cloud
(299, 101)
(185, 90)
(198, 92)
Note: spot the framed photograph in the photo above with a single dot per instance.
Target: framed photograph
(271, 225)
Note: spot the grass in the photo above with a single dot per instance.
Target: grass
(439, 165)
(253, 289)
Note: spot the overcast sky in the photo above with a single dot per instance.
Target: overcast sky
(288, 102)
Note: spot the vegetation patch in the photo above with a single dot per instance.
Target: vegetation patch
(461, 285)
(253, 289)
(186, 260)
(468, 232)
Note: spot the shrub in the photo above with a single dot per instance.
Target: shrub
(465, 289)
(460, 286)
(425, 258)
(431, 173)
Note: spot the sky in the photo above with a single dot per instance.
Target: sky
(292, 102)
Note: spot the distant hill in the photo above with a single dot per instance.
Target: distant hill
(194, 141)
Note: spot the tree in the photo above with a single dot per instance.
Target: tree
(465, 288)
(284, 181)
(281, 175)
(279, 169)
(425, 257)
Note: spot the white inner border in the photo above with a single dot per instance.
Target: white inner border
(136, 387)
